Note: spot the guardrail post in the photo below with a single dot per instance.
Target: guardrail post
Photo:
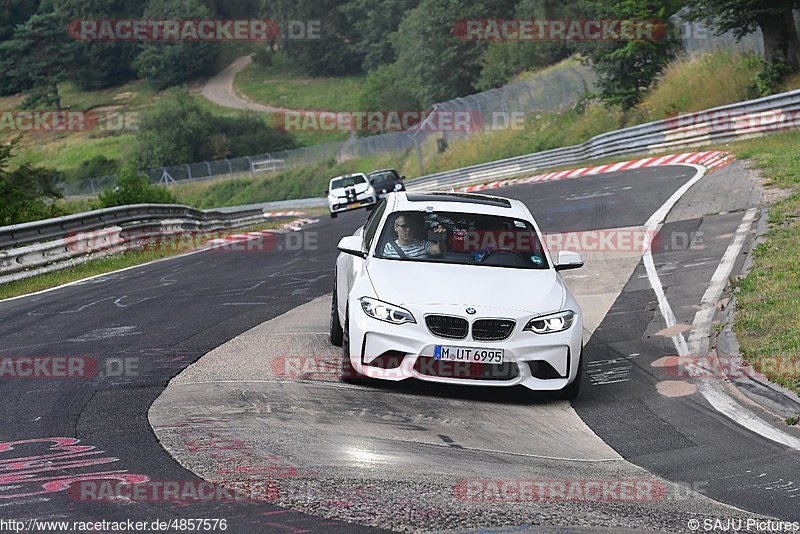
(250, 164)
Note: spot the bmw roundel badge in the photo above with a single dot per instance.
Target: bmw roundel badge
(472, 311)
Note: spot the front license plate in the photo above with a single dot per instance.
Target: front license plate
(467, 354)
(355, 205)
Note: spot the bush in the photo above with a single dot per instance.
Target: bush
(166, 64)
(27, 193)
(263, 56)
(134, 188)
(770, 79)
(94, 167)
(178, 130)
(248, 134)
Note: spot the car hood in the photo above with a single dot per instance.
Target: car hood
(341, 191)
(410, 283)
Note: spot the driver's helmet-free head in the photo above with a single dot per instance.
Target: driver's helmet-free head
(410, 222)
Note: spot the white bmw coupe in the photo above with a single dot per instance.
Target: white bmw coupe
(456, 288)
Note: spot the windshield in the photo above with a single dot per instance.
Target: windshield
(462, 238)
(380, 177)
(347, 181)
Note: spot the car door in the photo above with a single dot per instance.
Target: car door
(348, 266)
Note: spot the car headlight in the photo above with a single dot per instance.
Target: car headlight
(383, 311)
(398, 187)
(548, 324)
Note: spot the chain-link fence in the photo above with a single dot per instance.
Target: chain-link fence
(551, 91)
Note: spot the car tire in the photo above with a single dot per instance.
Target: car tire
(349, 373)
(572, 390)
(371, 207)
(334, 215)
(336, 331)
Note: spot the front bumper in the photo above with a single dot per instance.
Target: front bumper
(342, 205)
(384, 192)
(384, 351)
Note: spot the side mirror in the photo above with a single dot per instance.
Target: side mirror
(352, 245)
(325, 192)
(568, 260)
(402, 178)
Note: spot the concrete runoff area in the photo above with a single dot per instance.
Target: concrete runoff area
(400, 456)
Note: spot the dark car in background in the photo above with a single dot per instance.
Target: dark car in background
(386, 181)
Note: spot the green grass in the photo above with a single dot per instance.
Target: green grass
(767, 323)
(281, 85)
(67, 151)
(110, 263)
(700, 82)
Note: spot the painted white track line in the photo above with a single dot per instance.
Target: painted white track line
(711, 389)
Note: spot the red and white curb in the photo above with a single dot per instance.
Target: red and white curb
(294, 226)
(275, 214)
(710, 160)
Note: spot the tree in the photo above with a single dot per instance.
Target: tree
(175, 130)
(330, 53)
(627, 68)
(247, 134)
(178, 130)
(430, 58)
(374, 22)
(26, 193)
(13, 13)
(38, 57)
(775, 19)
(503, 60)
(101, 64)
(165, 64)
(132, 187)
(385, 90)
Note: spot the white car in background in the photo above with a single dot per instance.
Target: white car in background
(350, 192)
(456, 288)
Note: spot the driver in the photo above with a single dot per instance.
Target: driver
(407, 245)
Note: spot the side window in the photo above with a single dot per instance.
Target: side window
(371, 225)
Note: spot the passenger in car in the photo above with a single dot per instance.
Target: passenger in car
(408, 245)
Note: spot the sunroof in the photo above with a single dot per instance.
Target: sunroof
(459, 197)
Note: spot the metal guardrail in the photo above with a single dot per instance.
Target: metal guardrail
(721, 124)
(39, 247)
